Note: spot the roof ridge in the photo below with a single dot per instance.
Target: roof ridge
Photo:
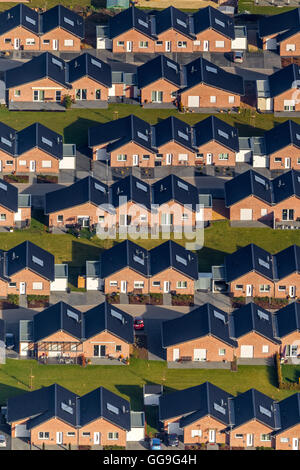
(208, 311)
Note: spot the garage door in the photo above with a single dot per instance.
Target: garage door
(21, 431)
(246, 351)
(246, 214)
(136, 434)
(174, 428)
(271, 44)
(193, 101)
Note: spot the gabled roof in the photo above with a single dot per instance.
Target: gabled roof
(172, 255)
(247, 259)
(85, 190)
(195, 403)
(284, 79)
(19, 15)
(86, 65)
(123, 255)
(131, 18)
(287, 261)
(251, 318)
(209, 17)
(279, 23)
(45, 65)
(159, 68)
(289, 412)
(107, 317)
(173, 129)
(252, 405)
(173, 188)
(249, 183)
(120, 132)
(58, 317)
(213, 128)
(282, 135)
(30, 256)
(286, 185)
(172, 18)
(287, 319)
(131, 189)
(8, 139)
(60, 16)
(41, 137)
(201, 71)
(8, 196)
(202, 321)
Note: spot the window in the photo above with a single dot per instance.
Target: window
(181, 284)
(289, 105)
(2, 216)
(298, 161)
(30, 42)
(17, 92)
(157, 96)
(113, 436)
(239, 436)
(113, 283)
(222, 352)
(264, 288)
(121, 157)
(146, 157)
(185, 216)
(143, 44)
(213, 99)
(282, 288)
(46, 41)
(7, 40)
(43, 435)
(143, 218)
(287, 214)
(98, 94)
(71, 434)
(9, 162)
(220, 44)
(284, 439)
(69, 42)
(118, 348)
(181, 44)
(60, 218)
(46, 163)
(231, 99)
(265, 437)
(138, 284)
(223, 156)
(263, 212)
(22, 162)
(239, 287)
(156, 283)
(37, 285)
(81, 94)
(197, 43)
(159, 43)
(277, 160)
(159, 155)
(101, 218)
(12, 284)
(58, 96)
(291, 350)
(86, 434)
(291, 47)
(265, 348)
(120, 43)
(196, 433)
(199, 155)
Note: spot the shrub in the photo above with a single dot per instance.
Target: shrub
(13, 299)
(68, 101)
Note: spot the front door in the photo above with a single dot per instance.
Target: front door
(97, 438)
(295, 443)
(55, 44)
(169, 159)
(211, 435)
(129, 46)
(292, 291)
(59, 438)
(168, 46)
(209, 159)
(249, 440)
(22, 288)
(175, 354)
(249, 290)
(17, 44)
(32, 165)
(287, 162)
(205, 46)
(0, 165)
(135, 160)
(166, 287)
(124, 287)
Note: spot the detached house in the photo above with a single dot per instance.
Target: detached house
(287, 327)
(174, 31)
(281, 31)
(19, 29)
(54, 415)
(287, 437)
(214, 31)
(15, 208)
(280, 91)
(61, 331)
(282, 145)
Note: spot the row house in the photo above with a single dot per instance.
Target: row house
(130, 141)
(63, 332)
(281, 32)
(47, 78)
(198, 84)
(54, 415)
(253, 197)
(58, 29)
(170, 202)
(127, 268)
(15, 208)
(35, 149)
(171, 30)
(254, 272)
(210, 334)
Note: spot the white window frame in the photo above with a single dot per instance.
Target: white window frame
(115, 436)
(46, 164)
(138, 284)
(212, 99)
(113, 283)
(231, 99)
(180, 285)
(42, 437)
(22, 162)
(222, 352)
(143, 44)
(196, 433)
(265, 440)
(37, 286)
(265, 348)
(122, 157)
(220, 44)
(68, 42)
(290, 47)
(30, 41)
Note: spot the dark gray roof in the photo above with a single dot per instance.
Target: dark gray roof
(132, 189)
(153, 389)
(19, 15)
(282, 135)
(86, 65)
(58, 317)
(159, 68)
(122, 255)
(287, 262)
(287, 319)
(289, 411)
(210, 17)
(131, 18)
(173, 129)
(247, 259)
(194, 403)
(202, 321)
(172, 18)
(41, 137)
(85, 190)
(8, 196)
(60, 16)
(173, 188)
(279, 23)
(8, 139)
(251, 318)
(201, 71)
(213, 128)
(172, 255)
(254, 405)
(284, 79)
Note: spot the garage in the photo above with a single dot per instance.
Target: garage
(246, 214)
(193, 101)
(174, 428)
(21, 430)
(137, 431)
(151, 393)
(247, 351)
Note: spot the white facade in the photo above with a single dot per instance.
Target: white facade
(243, 156)
(59, 284)
(260, 161)
(67, 163)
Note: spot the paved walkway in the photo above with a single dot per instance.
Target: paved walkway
(199, 365)
(78, 298)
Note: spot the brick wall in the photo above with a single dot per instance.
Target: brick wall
(70, 215)
(212, 36)
(292, 40)
(27, 90)
(91, 86)
(289, 151)
(61, 35)
(29, 277)
(292, 94)
(257, 341)
(160, 85)
(210, 343)
(22, 34)
(252, 427)
(254, 279)
(290, 434)
(10, 216)
(205, 92)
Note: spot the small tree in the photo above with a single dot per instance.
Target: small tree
(68, 101)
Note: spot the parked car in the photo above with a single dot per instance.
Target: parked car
(9, 340)
(138, 323)
(155, 444)
(238, 57)
(172, 440)
(2, 441)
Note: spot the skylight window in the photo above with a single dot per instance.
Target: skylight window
(262, 315)
(138, 259)
(219, 408)
(181, 260)
(265, 411)
(47, 141)
(181, 23)
(96, 63)
(112, 408)
(223, 134)
(57, 62)
(171, 65)
(99, 187)
(30, 20)
(219, 316)
(142, 23)
(73, 315)
(263, 263)
(3, 186)
(117, 315)
(183, 135)
(298, 136)
(68, 21)
(37, 261)
(211, 69)
(67, 408)
(142, 136)
(6, 141)
(220, 23)
(259, 180)
(182, 185)
(141, 186)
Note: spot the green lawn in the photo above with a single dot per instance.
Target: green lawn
(249, 5)
(290, 373)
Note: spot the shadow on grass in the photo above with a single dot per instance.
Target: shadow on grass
(208, 257)
(134, 393)
(7, 391)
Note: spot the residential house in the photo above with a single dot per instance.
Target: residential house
(15, 208)
(282, 145)
(199, 414)
(62, 333)
(174, 31)
(287, 327)
(19, 29)
(214, 31)
(54, 415)
(281, 31)
(201, 335)
(287, 436)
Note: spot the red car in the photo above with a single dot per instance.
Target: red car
(138, 323)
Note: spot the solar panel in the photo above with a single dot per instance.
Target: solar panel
(143, 23)
(95, 62)
(298, 136)
(263, 263)
(183, 135)
(211, 69)
(141, 186)
(181, 23)
(142, 136)
(259, 180)
(265, 411)
(219, 315)
(219, 22)
(47, 141)
(139, 260)
(57, 62)
(37, 261)
(219, 408)
(30, 20)
(223, 134)
(117, 315)
(3, 186)
(171, 65)
(112, 408)
(67, 408)
(262, 315)
(68, 21)
(73, 315)
(99, 187)
(182, 185)
(6, 141)
(181, 260)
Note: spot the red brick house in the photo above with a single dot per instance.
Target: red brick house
(287, 327)
(15, 208)
(281, 31)
(283, 89)
(287, 436)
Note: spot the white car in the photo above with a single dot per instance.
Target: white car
(2, 441)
